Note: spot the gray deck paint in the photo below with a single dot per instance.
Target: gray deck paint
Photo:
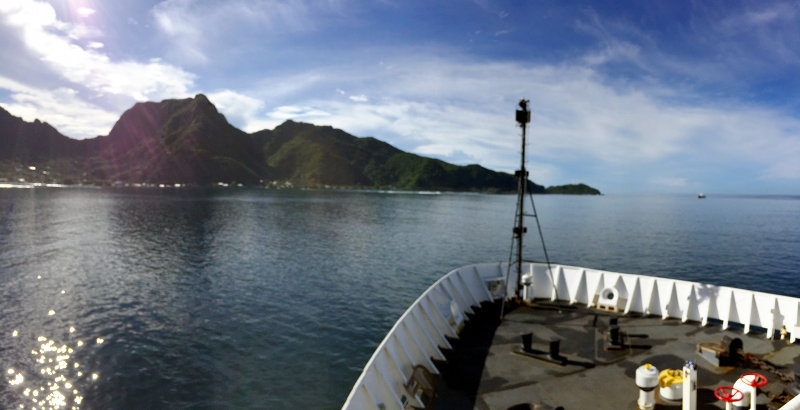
(508, 378)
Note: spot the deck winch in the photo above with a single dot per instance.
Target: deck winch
(674, 385)
(670, 383)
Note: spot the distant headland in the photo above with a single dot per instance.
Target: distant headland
(187, 142)
(572, 189)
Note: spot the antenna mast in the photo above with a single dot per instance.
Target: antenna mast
(523, 118)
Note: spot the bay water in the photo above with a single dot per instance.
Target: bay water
(247, 298)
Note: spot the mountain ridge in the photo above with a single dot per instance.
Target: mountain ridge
(189, 142)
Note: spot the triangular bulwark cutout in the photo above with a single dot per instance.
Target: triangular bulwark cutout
(711, 310)
(796, 329)
(733, 312)
(671, 308)
(752, 317)
(776, 319)
(485, 290)
(457, 293)
(581, 294)
(543, 280)
(692, 309)
(560, 290)
(555, 288)
(654, 304)
(621, 288)
(599, 286)
(635, 299)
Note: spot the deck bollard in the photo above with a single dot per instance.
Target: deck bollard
(527, 341)
(555, 344)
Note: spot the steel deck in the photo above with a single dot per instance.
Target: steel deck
(590, 375)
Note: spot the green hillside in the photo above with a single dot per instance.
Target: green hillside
(573, 189)
(189, 142)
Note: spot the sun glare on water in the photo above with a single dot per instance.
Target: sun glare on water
(50, 377)
(50, 382)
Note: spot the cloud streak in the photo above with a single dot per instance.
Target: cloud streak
(63, 108)
(82, 72)
(196, 28)
(576, 114)
(663, 97)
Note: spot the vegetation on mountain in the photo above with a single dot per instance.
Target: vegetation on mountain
(573, 189)
(189, 142)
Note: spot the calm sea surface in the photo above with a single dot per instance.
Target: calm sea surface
(266, 299)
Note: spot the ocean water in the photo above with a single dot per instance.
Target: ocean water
(238, 298)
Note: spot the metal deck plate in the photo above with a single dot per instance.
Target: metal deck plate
(593, 377)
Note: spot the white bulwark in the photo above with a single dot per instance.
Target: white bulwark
(397, 374)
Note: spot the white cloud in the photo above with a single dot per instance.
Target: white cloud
(240, 110)
(544, 173)
(85, 11)
(23, 13)
(197, 27)
(611, 47)
(76, 74)
(62, 108)
(82, 31)
(296, 113)
(671, 182)
(765, 16)
(613, 51)
(436, 103)
(785, 167)
(279, 88)
(176, 22)
(49, 38)
(454, 108)
(771, 32)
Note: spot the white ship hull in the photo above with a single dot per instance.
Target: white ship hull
(388, 381)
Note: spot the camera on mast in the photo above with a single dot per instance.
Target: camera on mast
(523, 115)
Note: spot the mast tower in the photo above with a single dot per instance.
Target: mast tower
(515, 256)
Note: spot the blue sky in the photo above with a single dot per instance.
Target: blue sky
(629, 97)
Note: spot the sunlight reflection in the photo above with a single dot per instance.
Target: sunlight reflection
(51, 383)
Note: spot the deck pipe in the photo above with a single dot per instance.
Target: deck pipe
(793, 404)
(689, 401)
